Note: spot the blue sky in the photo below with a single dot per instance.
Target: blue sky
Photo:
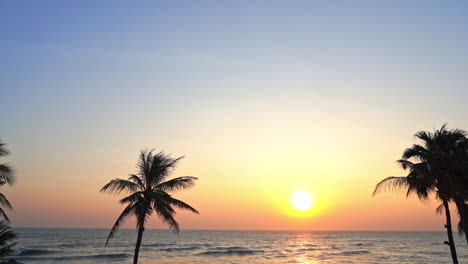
(81, 79)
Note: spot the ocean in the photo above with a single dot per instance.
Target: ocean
(86, 246)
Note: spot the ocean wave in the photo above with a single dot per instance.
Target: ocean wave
(170, 247)
(33, 252)
(229, 248)
(351, 252)
(179, 248)
(73, 245)
(159, 245)
(229, 251)
(108, 257)
(432, 253)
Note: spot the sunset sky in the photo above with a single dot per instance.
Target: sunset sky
(264, 98)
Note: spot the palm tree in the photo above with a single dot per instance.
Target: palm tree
(149, 193)
(457, 160)
(430, 171)
(7, 176)
(449, 156)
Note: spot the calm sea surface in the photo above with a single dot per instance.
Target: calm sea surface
(85, 246)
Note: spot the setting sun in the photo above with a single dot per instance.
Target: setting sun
(302, 201)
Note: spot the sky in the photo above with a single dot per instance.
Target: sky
(263, 98)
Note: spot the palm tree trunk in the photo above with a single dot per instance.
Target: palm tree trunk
(138, 244)
(451, 243)
(463, 212)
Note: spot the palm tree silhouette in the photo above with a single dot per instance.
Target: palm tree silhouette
(455, 161)
(449, 159)
(7, 176)
(431, 170)
(149, 193)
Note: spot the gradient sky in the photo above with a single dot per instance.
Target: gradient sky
(262, 97)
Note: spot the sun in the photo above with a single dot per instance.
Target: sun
(302, 201)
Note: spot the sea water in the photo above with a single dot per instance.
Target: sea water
(86, 246)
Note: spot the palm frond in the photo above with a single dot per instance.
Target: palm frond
(405, 164)
(143, 162)
(134, 178)
(7, 174)
(162, 166)
(7, 236)
(390, 183)
(3, 150)
(118, 185)
(421, 191)
(6, 251)
(440, 209)
(179, 183)
(4, 215)
(417, 152)
(133, 198)
(4, 201)
(424, 136)
(120, 220)
(181, 205)
(166, 213)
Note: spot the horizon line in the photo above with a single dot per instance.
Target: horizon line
(245, 230)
